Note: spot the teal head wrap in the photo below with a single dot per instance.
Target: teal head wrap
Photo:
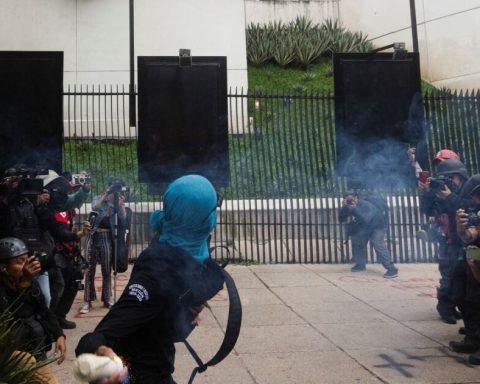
(189, 215)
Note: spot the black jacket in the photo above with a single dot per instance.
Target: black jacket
(29, 309)
(366, 216)
(153, 310)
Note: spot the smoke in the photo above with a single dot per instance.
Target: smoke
(372, 152)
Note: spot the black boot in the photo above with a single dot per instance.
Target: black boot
(467, 345)
(447, 314)
(66, 324)
(474, 358)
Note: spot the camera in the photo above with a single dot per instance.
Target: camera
(21, 181)
(116, 186)
(25, 172)
(431, 231)
(78, 268)
(81, 179)
(42, 258)
(438, 184)
(473, 217)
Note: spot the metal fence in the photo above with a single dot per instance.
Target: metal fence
(283, 199)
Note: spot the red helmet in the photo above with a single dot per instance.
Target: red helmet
(445, 154)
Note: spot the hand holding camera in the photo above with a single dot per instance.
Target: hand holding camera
(31, 269)
(462, 220)
(86, 227)
(349, 202)
(444, 192)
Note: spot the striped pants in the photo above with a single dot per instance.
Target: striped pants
(98, 249)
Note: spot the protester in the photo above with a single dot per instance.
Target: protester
(169, 283)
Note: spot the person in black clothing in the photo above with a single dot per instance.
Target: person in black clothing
(169, 284)
(35, 326)
(441, 202)
(466, 288)
(367, 217)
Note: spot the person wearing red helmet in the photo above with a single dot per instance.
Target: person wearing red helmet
(445, 154)
(440, 198)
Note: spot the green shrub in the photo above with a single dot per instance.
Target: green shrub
(300, 42)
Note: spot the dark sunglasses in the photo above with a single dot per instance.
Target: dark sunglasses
(218, 205)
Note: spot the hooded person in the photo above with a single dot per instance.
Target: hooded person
(169, 284)
(466, 288)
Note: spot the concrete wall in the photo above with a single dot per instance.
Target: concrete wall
(94, 34)
(264, 11)
(449, 36)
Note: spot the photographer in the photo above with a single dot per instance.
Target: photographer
(27, 209)
(62, 197)
(441, 197)
(35, 327)
(368, 221)
(169, 284)
(99, 244)
(68, 271)
(468, 228)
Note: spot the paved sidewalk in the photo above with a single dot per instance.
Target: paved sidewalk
(320, 324)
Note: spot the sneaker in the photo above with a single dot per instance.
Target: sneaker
(358, 268)
(391, 273)
(86, 307)
(467, 345)
(108, 304)
(66, 324)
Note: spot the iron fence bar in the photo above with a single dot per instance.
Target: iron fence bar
(252, 164)
(307, 212)
(264, 165)
(284, 160)
(315, 170)
(278, 155)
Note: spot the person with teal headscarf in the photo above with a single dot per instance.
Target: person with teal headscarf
(169, 284)
(189, 215)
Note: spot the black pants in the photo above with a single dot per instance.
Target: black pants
(447, 260)
(154, 369)
(466, 295)
(63, 289)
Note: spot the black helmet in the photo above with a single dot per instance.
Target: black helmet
(16, 247)
(5, 253)
(471, 186)
(450, 167)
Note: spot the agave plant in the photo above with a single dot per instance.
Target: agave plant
(307, 52)
(284, 49)
(301, 24)
(16, 367)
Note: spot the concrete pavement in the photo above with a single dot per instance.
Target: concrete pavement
(319, 324)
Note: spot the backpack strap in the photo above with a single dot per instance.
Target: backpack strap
(231, 334)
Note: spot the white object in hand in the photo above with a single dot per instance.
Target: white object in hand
(89, 367)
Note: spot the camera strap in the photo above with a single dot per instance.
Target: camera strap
(231, 333)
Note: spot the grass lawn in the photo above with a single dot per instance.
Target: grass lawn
(317, 79)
